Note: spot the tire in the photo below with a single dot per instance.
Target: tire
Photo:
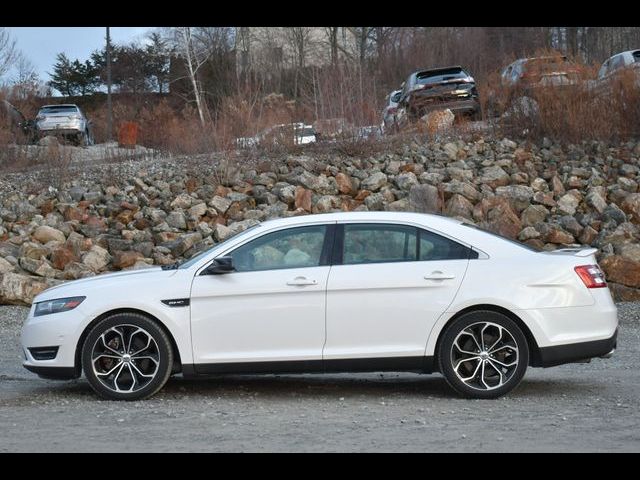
(83, 139)
(483, 375)
(116, 375)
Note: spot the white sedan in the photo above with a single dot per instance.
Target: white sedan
(341, 292)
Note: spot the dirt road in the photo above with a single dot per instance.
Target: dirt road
(579, 407)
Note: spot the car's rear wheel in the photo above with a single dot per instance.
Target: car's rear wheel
(483, 354)
(127, 356)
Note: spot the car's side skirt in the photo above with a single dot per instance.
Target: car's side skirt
(419, 364)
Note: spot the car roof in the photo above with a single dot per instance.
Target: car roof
(439, 69)
(60, 105)
(432, 219)
(458, 230)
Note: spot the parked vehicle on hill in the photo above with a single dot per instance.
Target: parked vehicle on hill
(283, 134)
(522, 81)
(618, 69)
(389, 113)
(340, 292)
(546, 71)
(450, 88)
(65, 120)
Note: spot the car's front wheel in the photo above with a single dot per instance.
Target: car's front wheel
(483, 354)
(127, 356)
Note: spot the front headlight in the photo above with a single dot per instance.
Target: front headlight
(58, 305)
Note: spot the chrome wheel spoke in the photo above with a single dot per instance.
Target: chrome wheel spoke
(106, 355)
(106, 374)
(506, 365)
(151, 375)
(473, 337)
(148, 357)
(482, 335)
(466, 352)
(475, 372)
(115, 379)
(139, 351)
(490, 362)
(503, 347)
(490, 349)
(104, 343)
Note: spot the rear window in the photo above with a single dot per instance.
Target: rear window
(435, 76)
(395, 98)
(636, 56)
(306, 132)
(510, 240)
(59, 109)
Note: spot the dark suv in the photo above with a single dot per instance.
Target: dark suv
(437, 89)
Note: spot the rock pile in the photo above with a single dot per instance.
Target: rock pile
(156, 212)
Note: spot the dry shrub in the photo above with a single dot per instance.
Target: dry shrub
(587, 110)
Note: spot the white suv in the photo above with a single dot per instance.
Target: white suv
(342, 292)
(66, 120)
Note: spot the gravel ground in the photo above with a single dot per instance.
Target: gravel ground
(579, 407)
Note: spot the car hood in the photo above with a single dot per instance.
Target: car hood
(78, 287)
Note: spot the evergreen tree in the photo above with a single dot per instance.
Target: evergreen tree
(74, 78)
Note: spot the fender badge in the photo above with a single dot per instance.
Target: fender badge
(177, 302)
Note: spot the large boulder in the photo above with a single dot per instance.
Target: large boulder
(97, 258)
(622, 270)
(45, 234)
(17, 289)
(425, 198)
(494, 177)
(374, 182)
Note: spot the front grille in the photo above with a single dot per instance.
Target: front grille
(44, 353)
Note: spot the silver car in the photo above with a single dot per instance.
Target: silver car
(66, 120)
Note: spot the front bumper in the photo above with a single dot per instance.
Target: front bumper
(573, 352)
(60, 330)
(54, 373)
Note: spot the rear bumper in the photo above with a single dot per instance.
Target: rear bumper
(560, 354)
(427, 104)
(59, 131)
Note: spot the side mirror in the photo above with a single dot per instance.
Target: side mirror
(219, 266)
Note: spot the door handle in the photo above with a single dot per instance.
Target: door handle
(301, 282)
(438, 275)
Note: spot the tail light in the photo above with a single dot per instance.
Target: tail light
(392, 110)
(591, 276)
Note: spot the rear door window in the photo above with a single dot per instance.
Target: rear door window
(385, 243)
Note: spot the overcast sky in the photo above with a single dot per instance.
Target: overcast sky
(41, 44)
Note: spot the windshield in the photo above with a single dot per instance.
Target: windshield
(195, 259)
(436, 76)
(59, 109)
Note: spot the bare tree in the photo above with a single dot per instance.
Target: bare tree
(25, 82)
(8, 52)
(332, 39)
(298, 39)
(194, 57)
